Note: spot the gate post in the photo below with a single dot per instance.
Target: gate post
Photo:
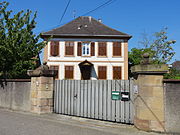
(149, 97)
(41, 94)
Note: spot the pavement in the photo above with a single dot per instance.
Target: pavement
(25, 123)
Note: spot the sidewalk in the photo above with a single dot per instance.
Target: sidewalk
(56, 124)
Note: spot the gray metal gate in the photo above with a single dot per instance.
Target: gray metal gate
(93, 99)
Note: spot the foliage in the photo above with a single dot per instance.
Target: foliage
(173, 74)
(19, 47)
(162, 47)
(135, 56)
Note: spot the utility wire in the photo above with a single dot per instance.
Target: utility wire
(102, 5)
(65, 11)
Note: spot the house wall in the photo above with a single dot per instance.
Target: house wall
(108, 60)
(15, 94)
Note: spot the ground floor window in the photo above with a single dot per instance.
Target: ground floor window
(69, 72)
(55, 68)
(117, 73)
(102, 72)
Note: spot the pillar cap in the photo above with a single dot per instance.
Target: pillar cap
(42, 70)
(150, 69)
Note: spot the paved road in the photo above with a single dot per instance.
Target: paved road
(19, 123)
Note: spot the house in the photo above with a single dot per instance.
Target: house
(176, 65)
(87, 49)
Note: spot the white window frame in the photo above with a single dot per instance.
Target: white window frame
(86, 49)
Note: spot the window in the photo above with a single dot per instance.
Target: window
(69, 72)
(85, 49)
(55, 68)
(117, 73)
(102, 72)
(54, 49)
(102, 49)
(116, 48)
(69, 48)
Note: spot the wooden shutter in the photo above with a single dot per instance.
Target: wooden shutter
(92, 49)
(69, 48)
(55, 68)
(102, 72)
(79, 49)
(54, 48)
(69, 72)
(102, 49)
(116, 48)
(117, 73)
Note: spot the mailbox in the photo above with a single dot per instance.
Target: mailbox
(125, 96)
(115, 95)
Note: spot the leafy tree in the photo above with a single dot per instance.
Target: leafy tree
(19, 46)
(173, 74)
(160, 49)
(135, 55)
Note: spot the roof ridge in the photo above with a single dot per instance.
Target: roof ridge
(109, 27)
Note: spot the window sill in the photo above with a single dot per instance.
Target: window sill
(54, 56)
(69, 56)
(102, 56)
(86, 56)
(116, 56)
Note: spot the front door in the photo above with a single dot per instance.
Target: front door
(85, 72)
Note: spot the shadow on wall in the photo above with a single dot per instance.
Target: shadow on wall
(93, 74)
(15, 94)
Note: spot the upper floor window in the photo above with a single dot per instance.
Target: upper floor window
(86, 49)
(54, 49)
(69, 48)
(102, 50)
(116, 48)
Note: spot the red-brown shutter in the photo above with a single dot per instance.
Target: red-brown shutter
(79, 49)
(116, 48)
(92, 49)
(69, 72)
(117, 73)
(69, 48)
(102, 49)
(102, 72)
(55, 68)
(54, 48)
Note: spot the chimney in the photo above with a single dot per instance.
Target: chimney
(89, 18)
(100, 20)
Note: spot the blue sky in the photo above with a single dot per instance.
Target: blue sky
(129, 16)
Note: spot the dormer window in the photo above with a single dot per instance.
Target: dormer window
(86, 49)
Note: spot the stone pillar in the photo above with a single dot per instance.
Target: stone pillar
(42, 94)
(149, 99)
(42, 82)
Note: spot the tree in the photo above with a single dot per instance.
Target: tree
(135, 55)
(19, 46)
(160, 49)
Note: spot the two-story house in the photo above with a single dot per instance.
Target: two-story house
(87, 49)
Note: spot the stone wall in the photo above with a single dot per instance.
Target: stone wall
(15, 94)
(172, 105)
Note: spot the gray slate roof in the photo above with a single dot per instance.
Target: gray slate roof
(176, 65)
(85, 26)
